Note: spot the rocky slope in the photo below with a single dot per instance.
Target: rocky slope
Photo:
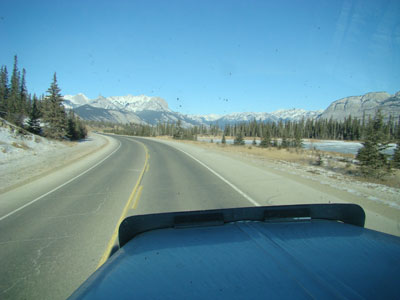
(367, 104)
(151, 110)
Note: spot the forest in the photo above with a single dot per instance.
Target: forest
(373, 132)
(44, 115)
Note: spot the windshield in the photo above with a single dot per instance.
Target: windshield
(114, 109)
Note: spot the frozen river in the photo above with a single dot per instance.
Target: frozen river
(326, 145)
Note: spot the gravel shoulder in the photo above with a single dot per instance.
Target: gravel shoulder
(38, 157)
(279, 182)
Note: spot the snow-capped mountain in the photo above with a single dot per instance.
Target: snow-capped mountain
(246, 117)
(204, 119)
(151, 110)
(72, 101)
(296, 114)
(125, 109)
(139, 103)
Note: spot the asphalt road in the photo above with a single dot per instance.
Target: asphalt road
(54, 235)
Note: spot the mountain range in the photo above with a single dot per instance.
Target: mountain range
(151, 110)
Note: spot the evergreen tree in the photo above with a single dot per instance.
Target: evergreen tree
(34, 122)
(285, 142)
(72, 132)
(396, 156)
(14, 95)
(23, 106)
(266, 140)
(4, 90)
(373, 162)
(275, 142)
(254, 142)
(54, 114)
(223, 141)
(239, 139)
(178, 134)
(297, 142)
(82, 131)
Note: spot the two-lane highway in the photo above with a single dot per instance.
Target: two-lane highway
(52, 242)
(177, 182)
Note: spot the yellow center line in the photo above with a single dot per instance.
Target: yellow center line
(139, 192)
(114, 236)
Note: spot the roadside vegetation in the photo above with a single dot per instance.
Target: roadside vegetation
(44, 115)
(371, 162)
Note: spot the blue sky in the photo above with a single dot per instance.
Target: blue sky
(207, 56)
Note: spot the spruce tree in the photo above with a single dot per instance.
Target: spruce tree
(373, 161)
(239, 139)
(23, 107)
(266, 140)
(72, 132)
(13, 99)
(54, 112)
(34, 122)
(4, 90)
(396, 156)
(223, 141)
(285, 142)
(297, 141)
(178, 133)
(82, 131)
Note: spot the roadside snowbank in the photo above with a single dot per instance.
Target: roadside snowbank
(24, 156)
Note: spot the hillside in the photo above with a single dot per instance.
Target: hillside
(151, 110)
(367, 104)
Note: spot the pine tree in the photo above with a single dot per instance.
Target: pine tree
(34, 122)
(373, 162)
(54, 112)
(254, 142)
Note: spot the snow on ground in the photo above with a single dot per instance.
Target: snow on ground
(15, 145)
(24, 156)
(346, 147)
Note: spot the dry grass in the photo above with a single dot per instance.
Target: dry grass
(20, 145)
(332, 161)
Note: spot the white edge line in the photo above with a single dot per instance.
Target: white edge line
(60, 186)
(222, 178)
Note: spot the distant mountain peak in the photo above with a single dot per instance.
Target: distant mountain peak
(151, 110)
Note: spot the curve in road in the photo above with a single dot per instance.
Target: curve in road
(55, 240)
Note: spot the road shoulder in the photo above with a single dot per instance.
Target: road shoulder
(21, 170)
(275, 182)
